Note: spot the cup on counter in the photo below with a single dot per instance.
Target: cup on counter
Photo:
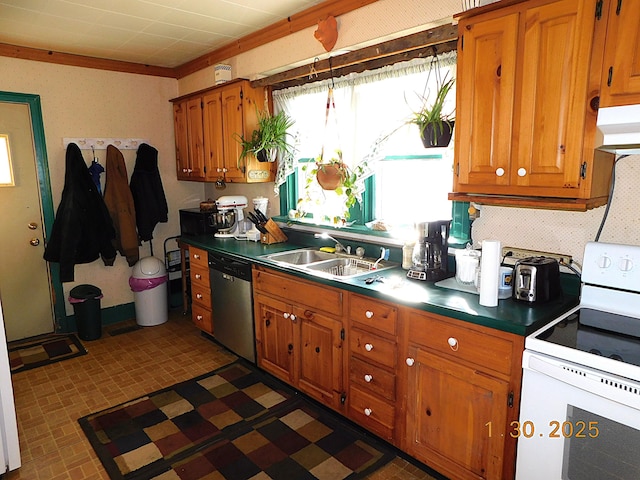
(467, 263)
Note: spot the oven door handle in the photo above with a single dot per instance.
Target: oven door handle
(592, 381)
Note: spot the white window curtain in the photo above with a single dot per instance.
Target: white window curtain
(372, 109)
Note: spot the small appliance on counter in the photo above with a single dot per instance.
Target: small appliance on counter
(194, 221)
(430, 254)
(229, 219)
(259, 205)
(536, 280)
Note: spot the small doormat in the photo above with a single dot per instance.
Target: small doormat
(234, 423)
(43, 350)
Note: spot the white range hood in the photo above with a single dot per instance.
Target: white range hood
(619, 129)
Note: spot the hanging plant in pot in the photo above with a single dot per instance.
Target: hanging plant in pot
(436, 127)
(269, 138)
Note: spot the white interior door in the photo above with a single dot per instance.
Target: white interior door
(24, 276)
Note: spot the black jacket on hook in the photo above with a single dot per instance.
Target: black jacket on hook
(82, 229)
(148, 194)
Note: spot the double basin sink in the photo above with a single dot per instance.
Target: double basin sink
(329, 264)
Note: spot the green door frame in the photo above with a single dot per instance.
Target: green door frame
(44, 181)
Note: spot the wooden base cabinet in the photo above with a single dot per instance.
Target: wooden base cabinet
(200, 289)
(299, 334)
(461, 384)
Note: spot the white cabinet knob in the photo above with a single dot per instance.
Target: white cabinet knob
(368, 378)
(522, 172)
(368, 314)
(199, 296)
(196, 256)
(367, 412)
(184, 170)
(410, 361)
(368, 347)
(453, 343)
(199, 317)
(225, 169)
(293, 317)
(198, 276)
(500, 171)
(285, 315)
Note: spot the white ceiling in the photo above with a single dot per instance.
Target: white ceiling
(165, 33)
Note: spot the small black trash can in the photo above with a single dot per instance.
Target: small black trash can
(86, 307)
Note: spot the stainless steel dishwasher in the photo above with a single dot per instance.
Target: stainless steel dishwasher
(232, 305)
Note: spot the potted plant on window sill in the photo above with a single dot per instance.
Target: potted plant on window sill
(269, 138)
(436, 127)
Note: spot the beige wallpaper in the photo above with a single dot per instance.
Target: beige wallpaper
(81, 102)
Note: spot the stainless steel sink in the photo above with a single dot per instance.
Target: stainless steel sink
(328, 264)
(300, 257)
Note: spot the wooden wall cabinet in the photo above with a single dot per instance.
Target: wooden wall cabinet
(621, 72)
(527, 93)
(201, 313)
(299, 334)
(207, 127)
(461, 383)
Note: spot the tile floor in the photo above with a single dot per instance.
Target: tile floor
(50, 399)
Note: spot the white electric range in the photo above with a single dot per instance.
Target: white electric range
(580, 406)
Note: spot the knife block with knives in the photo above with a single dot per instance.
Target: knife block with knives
(273, 235)
(269, 231)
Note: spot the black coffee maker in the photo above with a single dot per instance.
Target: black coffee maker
(430, 254)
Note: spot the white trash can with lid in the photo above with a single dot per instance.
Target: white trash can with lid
(149, 284)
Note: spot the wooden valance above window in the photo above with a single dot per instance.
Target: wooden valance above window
(422, 44)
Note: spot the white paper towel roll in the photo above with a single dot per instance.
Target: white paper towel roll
(490, 272)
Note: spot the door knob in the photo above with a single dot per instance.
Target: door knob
(34, 242)
(32, 225)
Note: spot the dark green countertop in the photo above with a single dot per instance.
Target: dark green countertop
(508, 316)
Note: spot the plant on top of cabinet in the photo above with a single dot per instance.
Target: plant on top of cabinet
(269, 138)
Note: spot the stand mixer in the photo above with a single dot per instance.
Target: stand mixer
(229, 219)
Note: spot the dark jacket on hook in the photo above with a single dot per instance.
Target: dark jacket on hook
(148, 194)
(82, 230)
(119, 200)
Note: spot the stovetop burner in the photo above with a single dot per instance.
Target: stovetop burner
(599, 333)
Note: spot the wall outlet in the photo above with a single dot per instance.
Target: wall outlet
(519, 253)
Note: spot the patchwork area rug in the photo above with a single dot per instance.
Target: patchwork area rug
(235, 423)
(43, 350)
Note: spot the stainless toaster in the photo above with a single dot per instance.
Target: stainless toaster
(536, 279)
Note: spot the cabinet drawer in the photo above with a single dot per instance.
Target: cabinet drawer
(372, 378)
(468, 344)
(299, 292)
(372, 412)
(198, 257)
(201, 294)
(202, 318)
(199, 276)
(372, 347)
(372, 313)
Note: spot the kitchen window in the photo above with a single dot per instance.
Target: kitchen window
(406, 183)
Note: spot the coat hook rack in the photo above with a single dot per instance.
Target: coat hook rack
(102, 143)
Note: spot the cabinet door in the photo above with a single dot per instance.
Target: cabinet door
(456, 417)
(558, 40)
(213, 141)
(195, 139)
(621, 73)
(275, 339)
(320, 356)
(485, 102)
(182, 147)
(233, 123)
